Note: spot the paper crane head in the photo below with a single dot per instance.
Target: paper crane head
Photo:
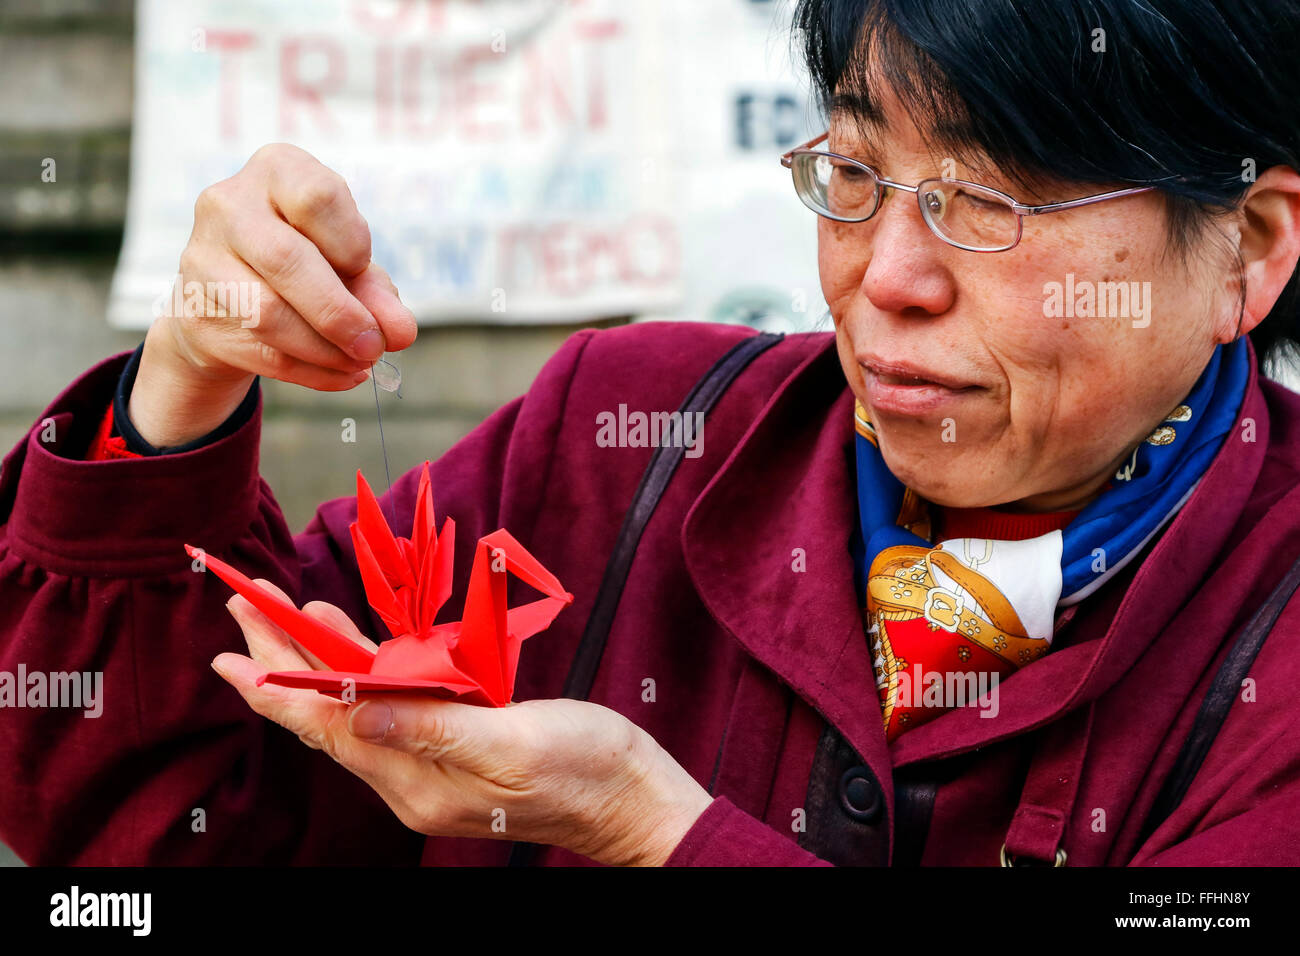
(407, 581)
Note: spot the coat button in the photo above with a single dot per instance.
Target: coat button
(860, 795)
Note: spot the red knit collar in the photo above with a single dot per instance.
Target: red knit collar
(996, 524)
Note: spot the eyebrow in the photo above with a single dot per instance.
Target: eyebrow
(867, 121)
(869, 125)
(858, 105)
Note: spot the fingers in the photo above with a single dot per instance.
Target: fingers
(298, 273)
(262, 359)
(401, 780)
(375, 290)
(284, 637)
(316, 201)
(267, 642)
(478, 739)
(287, 226)
(275, 324)
(337, 619)
(274, 647)
(318, 720)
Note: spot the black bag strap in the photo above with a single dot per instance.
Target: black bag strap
(663, 463)
(1214, 708)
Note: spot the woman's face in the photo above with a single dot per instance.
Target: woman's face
(980, 398)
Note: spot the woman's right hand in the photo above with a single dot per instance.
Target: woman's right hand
(283, 233)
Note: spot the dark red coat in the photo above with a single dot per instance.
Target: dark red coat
(751, 659)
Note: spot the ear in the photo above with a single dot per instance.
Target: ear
(1266, 230)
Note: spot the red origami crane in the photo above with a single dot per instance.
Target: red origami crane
(407, 580)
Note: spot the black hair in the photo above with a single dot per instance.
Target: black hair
(1189, 95)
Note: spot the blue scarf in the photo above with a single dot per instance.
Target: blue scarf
(996, 601)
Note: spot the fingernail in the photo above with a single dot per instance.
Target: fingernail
(369, 345)
(372, 720)
(216, 667)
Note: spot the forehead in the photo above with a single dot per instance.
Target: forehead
(859, 124)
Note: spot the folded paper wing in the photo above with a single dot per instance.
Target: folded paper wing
(407, 580)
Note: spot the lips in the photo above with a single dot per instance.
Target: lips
(907, 389)
(904, 379)
(906, 374)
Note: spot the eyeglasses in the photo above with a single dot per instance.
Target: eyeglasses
(966, 215)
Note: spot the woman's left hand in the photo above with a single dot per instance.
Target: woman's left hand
(561, 772)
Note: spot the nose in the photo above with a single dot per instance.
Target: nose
(905, 266)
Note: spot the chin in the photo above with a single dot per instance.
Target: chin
(930, 475)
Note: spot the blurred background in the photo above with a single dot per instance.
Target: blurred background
(527, 168)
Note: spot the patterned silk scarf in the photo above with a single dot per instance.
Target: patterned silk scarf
(948, 621)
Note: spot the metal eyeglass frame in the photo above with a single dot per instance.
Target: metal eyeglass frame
(1020, 209)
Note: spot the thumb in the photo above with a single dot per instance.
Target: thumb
(377, 293)
(438, 730)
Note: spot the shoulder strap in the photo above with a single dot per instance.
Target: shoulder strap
(1050, 791)
(1214, 708)
(663, 463)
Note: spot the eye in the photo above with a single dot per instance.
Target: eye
(978, 202)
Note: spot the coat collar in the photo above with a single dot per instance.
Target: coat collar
(787, 490)
(784, 500)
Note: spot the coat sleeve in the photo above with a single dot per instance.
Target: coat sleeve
(118, 743)
(725, 835)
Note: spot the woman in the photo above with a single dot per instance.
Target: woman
(1038, 452)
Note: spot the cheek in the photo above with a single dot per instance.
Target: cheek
(1080, 395)
(842, 259)
(845, 346)
(1095, 378)
(1061, 368)
(1075, 412)
(1066, 379)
